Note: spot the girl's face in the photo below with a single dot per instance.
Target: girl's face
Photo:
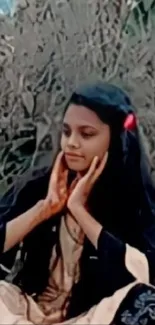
(84, 136)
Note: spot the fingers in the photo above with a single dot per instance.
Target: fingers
(101, 167)
(94, 172)
(57, 207)
(55, 175)
(56, 168)
(57, 190)
(56, 193)
(62, 186)
(73, 185)
(90, 173)
(92, 168)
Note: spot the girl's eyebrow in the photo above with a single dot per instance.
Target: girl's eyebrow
(83, 126)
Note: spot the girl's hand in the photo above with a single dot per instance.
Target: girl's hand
(80, 193)
(57, 191)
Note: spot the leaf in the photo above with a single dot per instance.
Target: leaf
(28, 101)
(3, 186)
(133, 26)
(42, 129)
(147, 4)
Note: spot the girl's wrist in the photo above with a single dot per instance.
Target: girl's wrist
(43, 211)
(77, 210)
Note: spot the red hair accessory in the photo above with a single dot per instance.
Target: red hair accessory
(130, 122)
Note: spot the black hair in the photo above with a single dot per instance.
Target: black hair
(122, 199)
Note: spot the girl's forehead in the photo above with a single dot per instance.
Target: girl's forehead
(81, 115)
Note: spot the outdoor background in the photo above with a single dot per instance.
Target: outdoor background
(47, 47)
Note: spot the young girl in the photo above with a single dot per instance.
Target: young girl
(89, 246)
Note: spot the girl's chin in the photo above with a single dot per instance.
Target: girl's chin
(77, 167)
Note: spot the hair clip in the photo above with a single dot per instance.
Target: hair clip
(130, 122)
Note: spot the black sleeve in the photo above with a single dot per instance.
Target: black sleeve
(111, 254)
(16, 202)
(149, 236)
(8, 211)
(2, 236)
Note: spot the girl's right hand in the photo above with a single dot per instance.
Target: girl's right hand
(57, 191)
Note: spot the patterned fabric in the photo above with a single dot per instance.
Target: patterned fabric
(138, 308)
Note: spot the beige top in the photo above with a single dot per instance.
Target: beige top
(64, 270)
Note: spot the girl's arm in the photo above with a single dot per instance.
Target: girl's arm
(22, 225)
(119, 263)
(54, 202)
(89, 225)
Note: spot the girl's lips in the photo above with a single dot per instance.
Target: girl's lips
(69, 154)
(73, 158)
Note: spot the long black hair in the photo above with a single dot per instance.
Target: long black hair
(122, 198)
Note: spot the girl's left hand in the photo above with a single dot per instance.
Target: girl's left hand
(80, 193)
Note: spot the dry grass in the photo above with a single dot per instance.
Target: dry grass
(48, 48)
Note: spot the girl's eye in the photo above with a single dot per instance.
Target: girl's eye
(66, 132)
(87, 135)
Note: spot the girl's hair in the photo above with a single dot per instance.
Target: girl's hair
(122, 198)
